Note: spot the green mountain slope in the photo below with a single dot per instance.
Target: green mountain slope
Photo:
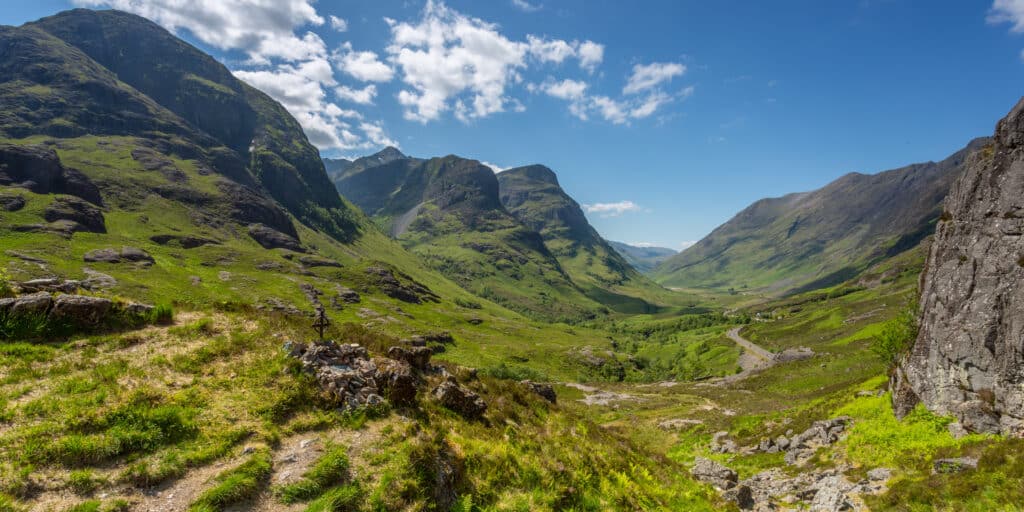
(645, 259)
(815, 239)
(448, 211)
(533, 195)
(256, 131)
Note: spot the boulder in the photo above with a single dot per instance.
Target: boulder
(85, 216)
(80, 310)
(49, 285)
(125, 254)
(314, 261)
(879, 474)
(720, 443)
(417, 357)
(545, 391)
(11, 203)
(397, 381)
(184, 241)
(954, 465)
(271, 238)
(401, 287)
(33, 304)
(742, 495)
(460, 399)
(977, 416)
(714, 473)
(830, 496)
(344, 295)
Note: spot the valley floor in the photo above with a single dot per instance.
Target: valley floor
(210, 414)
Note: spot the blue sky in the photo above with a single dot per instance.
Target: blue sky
(664, 118)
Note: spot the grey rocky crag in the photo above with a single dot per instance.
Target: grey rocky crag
(968, 358)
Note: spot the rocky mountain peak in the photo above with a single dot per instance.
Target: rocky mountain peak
(968, 355)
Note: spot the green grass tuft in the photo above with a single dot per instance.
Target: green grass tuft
(331, 469)
(235, 485)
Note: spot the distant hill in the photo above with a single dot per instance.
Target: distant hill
(517, 238)
(448, 211)
(814, 239)
(645, 259)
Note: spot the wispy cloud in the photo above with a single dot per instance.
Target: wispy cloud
(1007, 11)
(612, 209)
(525, 6)
(686, 244)
(647, 76)
(494, 167)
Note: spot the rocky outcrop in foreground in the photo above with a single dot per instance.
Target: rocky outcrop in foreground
(350, 377)
(968, 358)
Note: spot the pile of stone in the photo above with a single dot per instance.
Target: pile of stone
(348, 374)
(824, 490)
(94, 282)
(343, 371)
(797, 447)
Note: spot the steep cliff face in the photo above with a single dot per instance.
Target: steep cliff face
(968, 359)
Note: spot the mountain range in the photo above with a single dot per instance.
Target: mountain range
(643, 258)
(816, 239)
(515, 237)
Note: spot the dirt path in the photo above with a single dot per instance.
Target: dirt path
(749, 346)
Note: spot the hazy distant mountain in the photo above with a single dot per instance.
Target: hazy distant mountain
(814, 239)
(646, 258)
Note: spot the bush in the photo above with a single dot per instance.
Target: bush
(6, 288)
(897, 335)
(162, 314)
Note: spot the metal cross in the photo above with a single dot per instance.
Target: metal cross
(321, 322)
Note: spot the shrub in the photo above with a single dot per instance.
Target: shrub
(897, 335)
(6, 288)
(162, 314)
(84, 481)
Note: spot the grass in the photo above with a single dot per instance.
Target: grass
(330, 470)
(235, 485)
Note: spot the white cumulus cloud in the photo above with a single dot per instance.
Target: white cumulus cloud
(338, 24)
(612, 209)
(1008, 11)
(363, 65)
(452, 62)
(647, 76)
(286, 59)
(362, 96)
(264, 29)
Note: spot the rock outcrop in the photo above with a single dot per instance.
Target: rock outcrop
(968, 358)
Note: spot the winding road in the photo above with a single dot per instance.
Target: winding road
(749, 346)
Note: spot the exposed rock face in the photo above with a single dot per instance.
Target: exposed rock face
(85, 216)
(709, 471)
(38, 169)
(545, 391)
(80, 309)
(460, 399)
(126, 254)
(968, 359)
(271, 238)
(405, 289)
